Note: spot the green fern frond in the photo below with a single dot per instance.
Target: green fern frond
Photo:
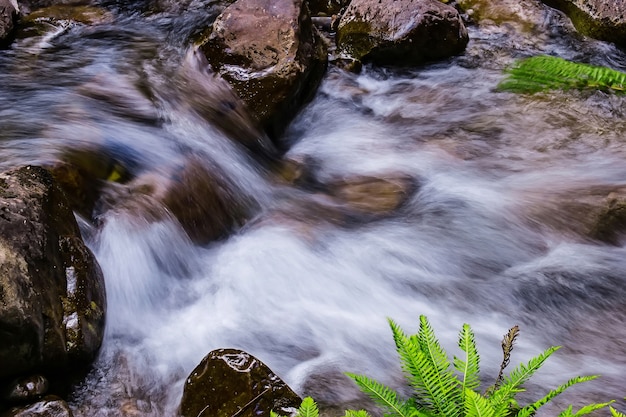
(588, 409)
(356, 413)
(469, 365)
(530, 409)
(502, 396)
(274, 414)
(540, 73)
(477, 406)
(616, 413)
(308, 408)
(409, 356)
(382, 395)
(437, 374)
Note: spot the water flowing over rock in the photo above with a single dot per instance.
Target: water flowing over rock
(401, 32)
(49, 406)
(8, 14)
(231, 382)
(271, 54)
(601, 19)
(52, 299)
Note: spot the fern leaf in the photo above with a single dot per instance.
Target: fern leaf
(274, 414)
(308, 408)
(616, 413)
(477, 406)
(356, 413)
(568, 412)
(540, 73)
(588, 409)
(382, 395)
(409, 355)
(530, 409)
(502, 396)
(469, 365)
(438, 378)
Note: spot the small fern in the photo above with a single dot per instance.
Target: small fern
(439, 391)
(541, 73)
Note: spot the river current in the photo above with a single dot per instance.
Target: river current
(493, 235)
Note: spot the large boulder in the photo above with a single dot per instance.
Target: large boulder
(271, 54)
(52, 299)
(231, 382)
(600, 19)
(8, 14)
(400, 32)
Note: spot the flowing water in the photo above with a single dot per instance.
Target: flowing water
(494, 234)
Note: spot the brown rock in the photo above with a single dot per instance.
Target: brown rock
(601, 19)
(270, 53)
(52, 300)
(196, 193)
(400, 32)
(231, 382)
(8, 15)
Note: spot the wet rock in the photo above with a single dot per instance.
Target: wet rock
(400, 32)
(27, 388)
(82, 174)
(610, 220)
(272, 56)
(373, 196)
(52, 300)
(195, 193)
(523, 14)
(9, 10)
(88, 15)
(231, 382)
(212, 98)
(50, 406)
(326, 7)
(600, 19)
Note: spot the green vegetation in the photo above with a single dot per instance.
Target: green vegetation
(442, 388)
(541, 73)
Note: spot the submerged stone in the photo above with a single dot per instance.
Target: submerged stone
(230, 382)
(49, 406)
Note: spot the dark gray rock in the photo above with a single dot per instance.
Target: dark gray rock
(400, 32)
(272, 56)
(231, 382)
(600, 19)
(27, 388)
(52, 299)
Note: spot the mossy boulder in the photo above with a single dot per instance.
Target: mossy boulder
(600, 19)
(231, 382)
(401, 32)
(272, 56)
(52, 298)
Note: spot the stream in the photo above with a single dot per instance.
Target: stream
(493, 234)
